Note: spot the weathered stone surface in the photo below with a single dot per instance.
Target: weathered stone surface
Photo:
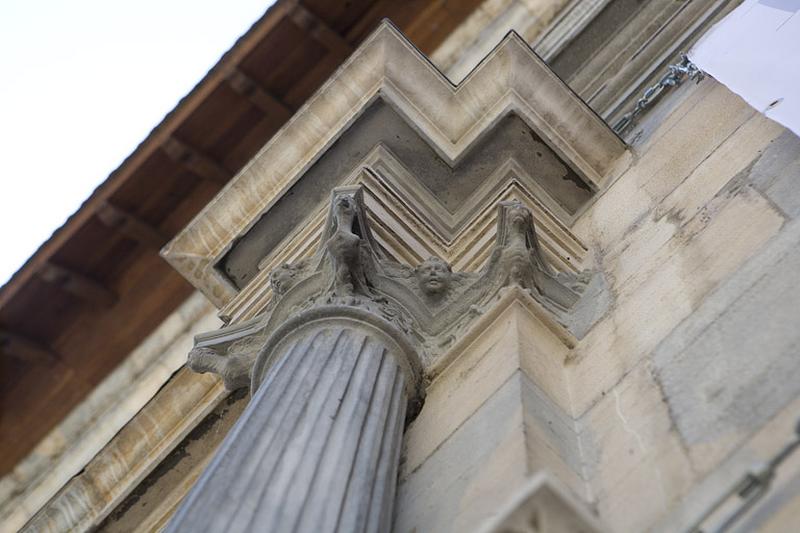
(553, 441)
(730, 366)
(687, 233)
(635, 461)
(776, 510)
(515, 339)
(471, 474)
(657, 171)
(515, 433)
(776, 172)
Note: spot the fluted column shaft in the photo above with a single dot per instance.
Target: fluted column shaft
(318, 446)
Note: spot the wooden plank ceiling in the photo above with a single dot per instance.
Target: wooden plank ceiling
(97, 287)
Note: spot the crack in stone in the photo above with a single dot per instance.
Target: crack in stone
(628, 429)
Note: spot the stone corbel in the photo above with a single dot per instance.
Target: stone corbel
(234, 365)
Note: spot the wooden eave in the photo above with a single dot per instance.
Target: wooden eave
(97, 287)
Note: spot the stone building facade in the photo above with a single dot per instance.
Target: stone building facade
(566, 329)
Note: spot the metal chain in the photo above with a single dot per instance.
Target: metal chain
(676, 75)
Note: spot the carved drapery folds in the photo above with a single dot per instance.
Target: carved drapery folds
(336, 362)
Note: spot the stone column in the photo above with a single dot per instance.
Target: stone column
(317, 448)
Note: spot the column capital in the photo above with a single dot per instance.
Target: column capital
(422, 309)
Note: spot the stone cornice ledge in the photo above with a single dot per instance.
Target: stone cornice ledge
(452, 118)
(89, 497)
(542, 504)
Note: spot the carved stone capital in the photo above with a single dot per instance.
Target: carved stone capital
(336, 364)
(423, 308)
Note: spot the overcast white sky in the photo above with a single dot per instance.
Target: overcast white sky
(754, 52)
(82, 82)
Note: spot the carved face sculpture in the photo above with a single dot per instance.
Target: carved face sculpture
(433, 276)
(282, 278)
(517, 216)
(345, 206)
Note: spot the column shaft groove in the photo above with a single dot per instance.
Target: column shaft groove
(317, 447)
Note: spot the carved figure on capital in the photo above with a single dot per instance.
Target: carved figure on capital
(433, 277)
(518, 260)
(233, 363)
(284, 277)
(430, 304)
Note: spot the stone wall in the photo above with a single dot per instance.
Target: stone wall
(698, 240)
(689, 376)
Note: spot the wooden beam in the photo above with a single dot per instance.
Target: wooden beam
(369, 20)
(312, 80)
(338, 49)
(320, 31)
(272, 106)
(77, 284)
(196, 161)
(131, 226)
(25, 349)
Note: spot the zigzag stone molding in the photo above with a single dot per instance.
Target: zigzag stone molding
(452, 119)
(431, 305)
(448, 192)
(402, 226)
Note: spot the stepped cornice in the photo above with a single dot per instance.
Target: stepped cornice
(452, 119)
(410, 224)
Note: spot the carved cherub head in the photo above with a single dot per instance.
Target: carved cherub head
(433, 276)
(282, 278)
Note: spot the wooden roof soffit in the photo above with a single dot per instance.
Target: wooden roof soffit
(25, 349)
(196, 161)
(258, 96)
(320, 31)
(131, 226)
(160, 135)
(79, 285)
(511, 79)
